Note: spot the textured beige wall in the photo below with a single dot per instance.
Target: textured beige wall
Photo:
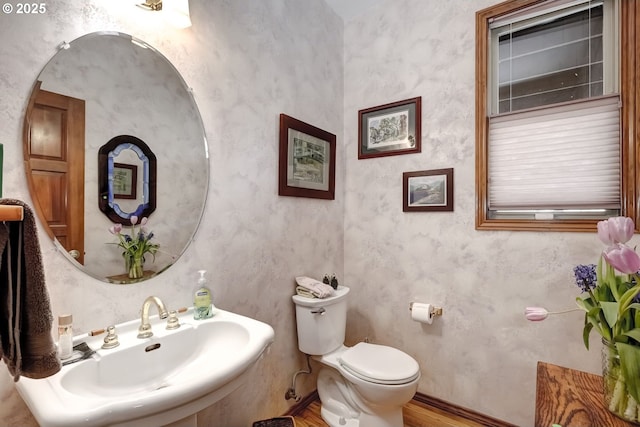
(482, 353)
(250, 60)
(247, 61)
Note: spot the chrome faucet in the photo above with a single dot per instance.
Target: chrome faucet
(144, 331)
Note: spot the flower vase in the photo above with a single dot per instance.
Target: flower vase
(616, 397)
(135, 266)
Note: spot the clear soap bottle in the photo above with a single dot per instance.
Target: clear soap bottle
(202, 301)
(65, 336)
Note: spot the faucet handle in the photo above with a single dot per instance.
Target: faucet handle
(173, 322)
(111, 340)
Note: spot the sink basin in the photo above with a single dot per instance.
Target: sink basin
(152, 381)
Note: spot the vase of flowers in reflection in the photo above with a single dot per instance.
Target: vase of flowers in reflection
(135, 246)
(610, 300)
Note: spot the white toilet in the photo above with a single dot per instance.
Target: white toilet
(361, 386)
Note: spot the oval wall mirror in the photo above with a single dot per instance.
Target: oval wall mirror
(99, 88)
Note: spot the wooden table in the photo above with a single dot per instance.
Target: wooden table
(571, 398)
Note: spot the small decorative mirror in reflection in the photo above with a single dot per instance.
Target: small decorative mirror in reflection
(123, 192)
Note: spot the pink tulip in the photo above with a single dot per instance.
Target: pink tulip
(144, 220)
(115, 229)
(622, 258)
(615, 230)
(134, 219)
(535, 314)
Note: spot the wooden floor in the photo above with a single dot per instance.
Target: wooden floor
(416, 414)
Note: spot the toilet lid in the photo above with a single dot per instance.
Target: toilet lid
(379, 364)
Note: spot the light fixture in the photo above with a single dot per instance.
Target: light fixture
(176, 12)
(151, 5)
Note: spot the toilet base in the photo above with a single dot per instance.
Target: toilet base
(335, 420)
(365, 420)
(342, 407)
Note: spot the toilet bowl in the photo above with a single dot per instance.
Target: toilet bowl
(366, 385)
(361, 386)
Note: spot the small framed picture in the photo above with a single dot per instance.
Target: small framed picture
(125, 181)
(430, 190)
(307, 160)
(390, 129)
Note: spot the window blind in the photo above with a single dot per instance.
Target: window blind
(551, 59)
(561, 157)
(522, 17)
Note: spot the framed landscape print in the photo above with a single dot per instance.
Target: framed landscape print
(307, 160)
(390, 129)
(430, 190)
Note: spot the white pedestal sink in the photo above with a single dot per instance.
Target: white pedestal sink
(153, 381)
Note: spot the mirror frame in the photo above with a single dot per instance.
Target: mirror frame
(104, 189)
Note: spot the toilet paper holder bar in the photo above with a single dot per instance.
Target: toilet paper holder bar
(435, 311)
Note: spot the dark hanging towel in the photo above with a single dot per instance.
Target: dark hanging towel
(25, 311)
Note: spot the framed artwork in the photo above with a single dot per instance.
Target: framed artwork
(430, 190)
(307, 160)
(390, 129)
(125, 181)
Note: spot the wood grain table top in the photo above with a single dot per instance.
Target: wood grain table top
(571, 398)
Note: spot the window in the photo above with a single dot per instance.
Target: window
(555, 56)
(555, 107)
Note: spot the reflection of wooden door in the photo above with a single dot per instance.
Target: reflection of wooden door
(54, 161)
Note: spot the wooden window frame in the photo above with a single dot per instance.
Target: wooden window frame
(629, 55)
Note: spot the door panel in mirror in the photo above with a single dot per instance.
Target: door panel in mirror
(54, 158)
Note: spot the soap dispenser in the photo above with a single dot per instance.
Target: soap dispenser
(202, 301)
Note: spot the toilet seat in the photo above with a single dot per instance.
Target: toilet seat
(379, 364)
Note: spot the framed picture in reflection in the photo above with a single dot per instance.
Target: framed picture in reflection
(125, 181)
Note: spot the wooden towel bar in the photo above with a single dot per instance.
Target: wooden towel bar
(11, 213)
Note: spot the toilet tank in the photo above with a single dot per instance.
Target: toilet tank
(321, 323)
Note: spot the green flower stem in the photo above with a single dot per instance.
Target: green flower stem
(625, 301)
(631, 412)
(617, 397)
(601, 323)
(569, 310)
(605, 331)
(620, 401)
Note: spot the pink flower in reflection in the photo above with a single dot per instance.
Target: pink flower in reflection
(115, 229)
